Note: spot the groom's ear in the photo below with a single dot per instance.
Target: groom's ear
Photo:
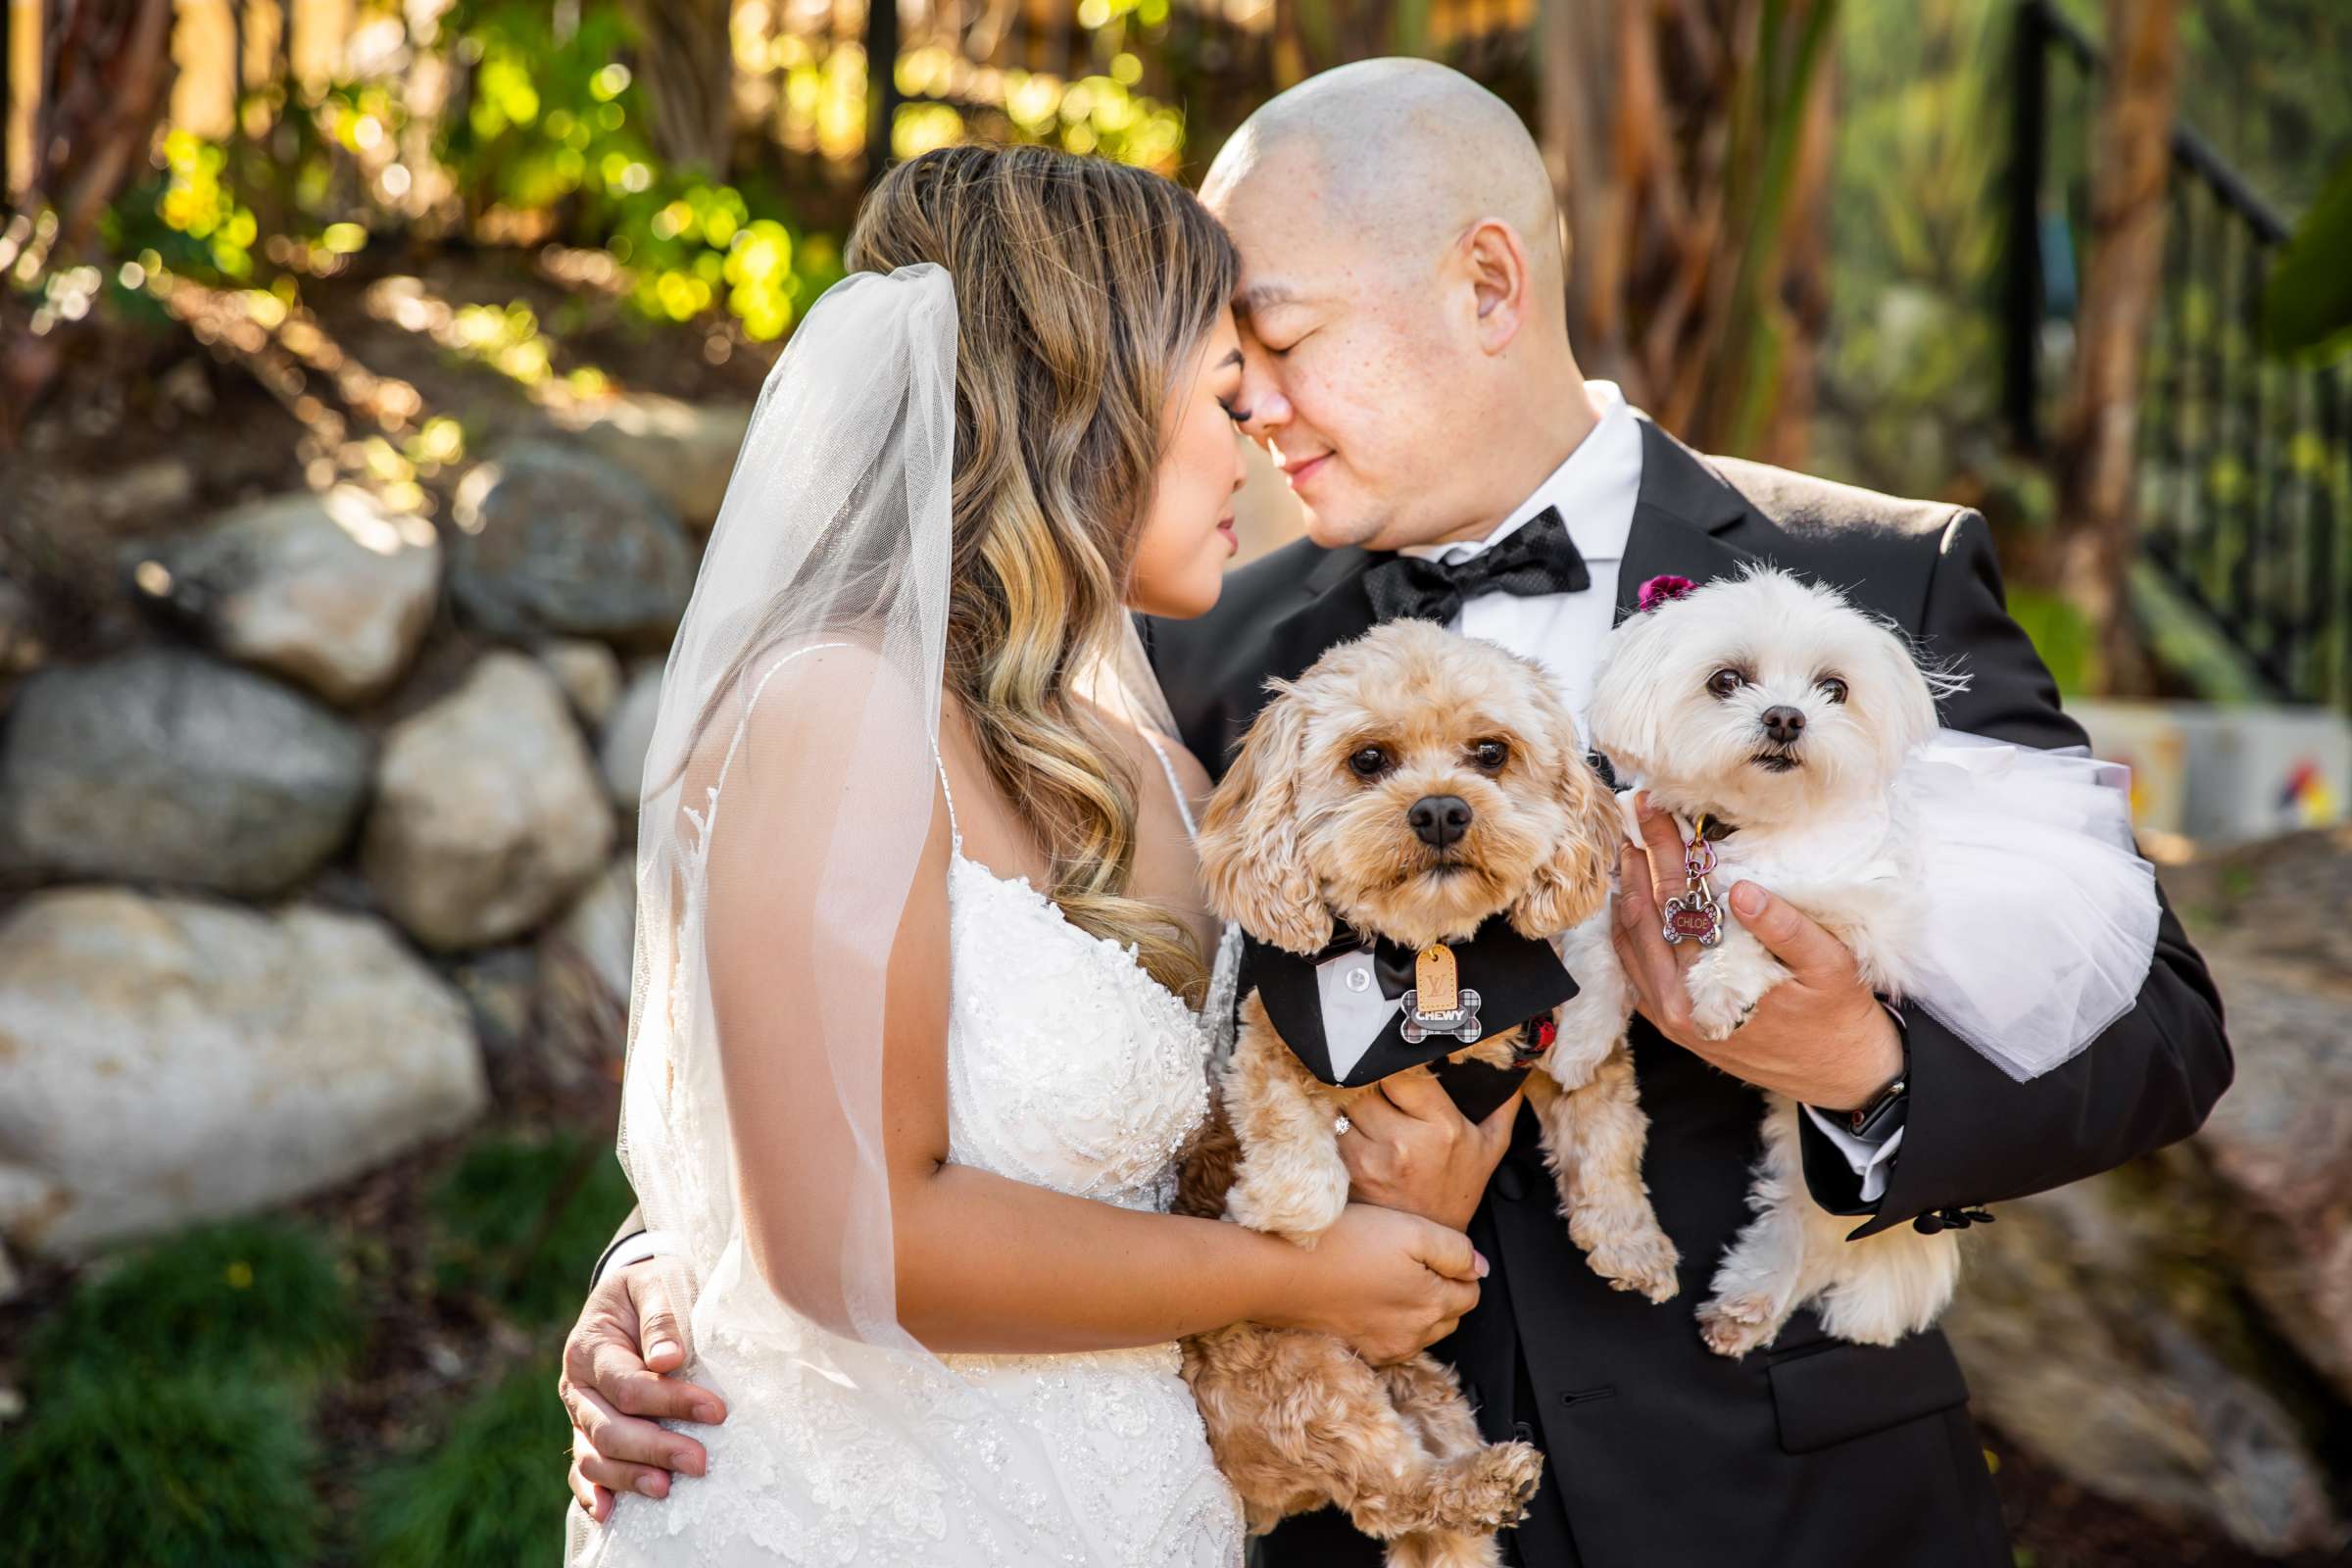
(1493, 258)
(1250, 859)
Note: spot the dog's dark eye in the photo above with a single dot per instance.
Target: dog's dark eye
(1726, 681)
(1833, 688)
(1490, 754)
(1370, 762)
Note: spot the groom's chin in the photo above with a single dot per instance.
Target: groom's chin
(1338, 529)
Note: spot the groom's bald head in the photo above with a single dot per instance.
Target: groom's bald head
(1402, 301)
(1393, 159)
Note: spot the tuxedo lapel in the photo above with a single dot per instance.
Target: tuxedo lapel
(1683, 510)
(1335, 610)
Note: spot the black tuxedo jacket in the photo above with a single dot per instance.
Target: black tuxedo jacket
(1816, 1451)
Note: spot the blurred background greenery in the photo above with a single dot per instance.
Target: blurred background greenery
(258, 249)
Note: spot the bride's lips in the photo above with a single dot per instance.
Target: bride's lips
(1297, 474)
(1233, 540)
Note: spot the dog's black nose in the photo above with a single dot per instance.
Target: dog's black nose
(1439, 819)
(1783, 725)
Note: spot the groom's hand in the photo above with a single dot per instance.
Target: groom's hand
(1820, 1036)
(630, 1334)
(1409, 1146)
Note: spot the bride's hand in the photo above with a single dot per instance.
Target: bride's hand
(1387, 1282)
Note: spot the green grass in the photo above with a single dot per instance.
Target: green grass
(259, 1297)
(489, 1494)
(194, 1470)
(519, 1221)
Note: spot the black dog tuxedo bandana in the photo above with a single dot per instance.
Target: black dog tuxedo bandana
(1343, 1010)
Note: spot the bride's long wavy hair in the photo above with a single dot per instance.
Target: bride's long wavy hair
(1084, 289)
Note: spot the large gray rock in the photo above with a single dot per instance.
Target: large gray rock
(2079, 1346)
(164, 765)
(683, 451)
(2178, 1333)
(629, 735)
(488, 815)
(588, 672)
(554, 541)
(167, 1060)
(329, 590)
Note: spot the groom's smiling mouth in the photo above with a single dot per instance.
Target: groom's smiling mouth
(1296, 473)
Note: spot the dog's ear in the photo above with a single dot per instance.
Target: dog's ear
(1571, 882)
(1251, 859)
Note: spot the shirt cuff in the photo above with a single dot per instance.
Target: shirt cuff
(1872, 1159)
(631, 1250)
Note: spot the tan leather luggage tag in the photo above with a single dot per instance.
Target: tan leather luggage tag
(1434, 977)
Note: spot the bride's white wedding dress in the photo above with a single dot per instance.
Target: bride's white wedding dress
(1068, 1067)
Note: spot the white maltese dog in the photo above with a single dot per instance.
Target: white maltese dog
(1794, 740)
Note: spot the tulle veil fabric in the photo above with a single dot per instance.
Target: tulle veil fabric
(2040, 913)
(795, 744)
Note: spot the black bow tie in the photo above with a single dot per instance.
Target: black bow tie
(1538, 558)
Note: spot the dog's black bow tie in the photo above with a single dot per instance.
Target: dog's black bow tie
(1538, 558)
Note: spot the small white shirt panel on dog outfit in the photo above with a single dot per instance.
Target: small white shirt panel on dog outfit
(1354, 1012)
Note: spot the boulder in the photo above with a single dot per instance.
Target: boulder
(554, 541)
(683, 451)
(488, 817)
(2177, 1334)
(600, 928)
(163, 765)
(166, 1061)
(629, 735)
(588, 673)
(331, 589)
(2092, 1336)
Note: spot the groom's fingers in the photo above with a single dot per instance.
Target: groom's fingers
(1447, 1252)
(623, 1453)
(659, 1290)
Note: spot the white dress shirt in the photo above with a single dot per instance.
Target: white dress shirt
(1595, 490)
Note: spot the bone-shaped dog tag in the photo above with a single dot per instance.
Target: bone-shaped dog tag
(1437, 1004)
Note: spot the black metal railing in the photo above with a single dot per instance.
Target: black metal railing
(2245, 459)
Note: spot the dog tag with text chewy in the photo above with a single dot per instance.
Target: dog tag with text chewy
(1438, 1003)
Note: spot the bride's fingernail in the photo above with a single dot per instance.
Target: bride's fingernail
(1482, 1264)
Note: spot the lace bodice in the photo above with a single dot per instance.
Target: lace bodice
(1068, 1067)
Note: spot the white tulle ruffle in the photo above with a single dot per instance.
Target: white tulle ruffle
(2041, 915)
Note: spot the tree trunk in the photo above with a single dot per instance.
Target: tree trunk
(2122, 278)
(686, 58)
(104, 79)
(1688, 143)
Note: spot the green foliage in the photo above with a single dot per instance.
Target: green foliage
(515, 1218)
(188, 213)
(2308, 304)
(489, 1494)
(256, 1298)
(557, 124)
(2061, 634)
(183, 1471)
(1912, 370)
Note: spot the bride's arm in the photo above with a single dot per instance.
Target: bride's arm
(984, 1263)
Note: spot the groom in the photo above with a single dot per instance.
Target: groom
(1408, 363)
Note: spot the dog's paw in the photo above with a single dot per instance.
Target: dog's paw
(1734, 1325)
(1489, 1490)
(1717, 1011)
(1643, 1262)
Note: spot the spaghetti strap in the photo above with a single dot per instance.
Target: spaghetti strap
(954, 833)
(1175, 784)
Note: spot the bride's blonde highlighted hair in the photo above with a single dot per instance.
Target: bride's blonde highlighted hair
(1084, 289)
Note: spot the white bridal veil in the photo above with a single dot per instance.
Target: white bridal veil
(792, 771)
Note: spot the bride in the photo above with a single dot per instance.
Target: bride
(922, 962)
